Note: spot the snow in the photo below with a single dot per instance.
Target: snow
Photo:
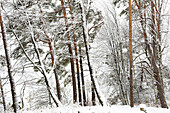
(142, 106)
(98, 62)
(100, 109)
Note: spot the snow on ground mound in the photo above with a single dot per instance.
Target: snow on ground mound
(99, 109)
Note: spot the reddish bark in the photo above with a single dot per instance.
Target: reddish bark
(77, 62)
(52, 56)
(153, 57)
(71, 55)
(130, 57)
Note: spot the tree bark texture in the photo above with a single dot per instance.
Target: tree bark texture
(82, 77)
(71, 55)
(76, 54)
(52, 56)
(11, 79)
(130, 57)
(93, 95)
(3, 96)
(156, 58)
(151, 57)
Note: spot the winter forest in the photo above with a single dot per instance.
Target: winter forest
(84, 56)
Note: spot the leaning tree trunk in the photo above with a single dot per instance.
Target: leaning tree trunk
(11, 79)
(40, 61)
(83, 18)
(3, 96)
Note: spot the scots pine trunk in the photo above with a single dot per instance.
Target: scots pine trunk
(156, 58)
(11, 79)
(160, 88)
(82, 77)
(52, 56)
(153, 34)
(153, 54)
(93, 95)
(3, 96)
(76, 54)
(130, 57)
(159, 38)
(71, 55)
(78, 78)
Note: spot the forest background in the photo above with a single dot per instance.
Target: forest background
(64, 52)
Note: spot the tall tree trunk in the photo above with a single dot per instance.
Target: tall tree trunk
(82, 77)
(153, 60)
(130, 57)
(71, 55)
(159, 87)
(93, 95)
(78, 78)
(83, 18)
(3, 96)
(77, 62)
(11, 79)
(157, 55)
(159, 38)
(52, 56)
(153, 33)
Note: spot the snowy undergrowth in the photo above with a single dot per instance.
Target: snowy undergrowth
(99, 109)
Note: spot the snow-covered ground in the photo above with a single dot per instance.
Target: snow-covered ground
(99, 109)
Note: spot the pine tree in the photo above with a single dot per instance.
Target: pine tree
(11, 79)
(3, 96)
(130, 57)
(71, 54)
